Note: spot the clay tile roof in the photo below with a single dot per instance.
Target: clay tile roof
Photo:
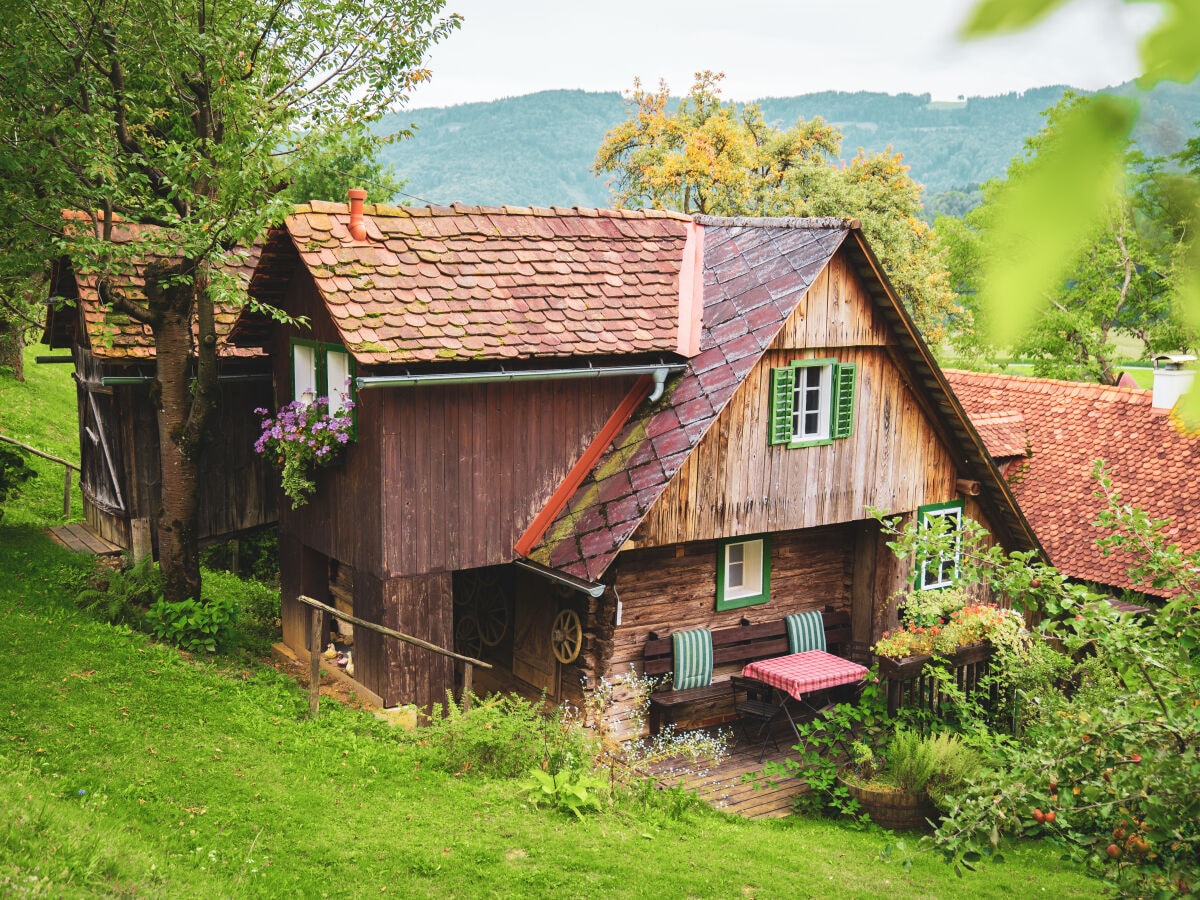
(476, 282)
(740, 321)
(113, 335)
(1069, 426)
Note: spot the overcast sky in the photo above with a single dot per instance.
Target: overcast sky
(507, 48)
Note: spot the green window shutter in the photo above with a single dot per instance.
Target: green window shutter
(783, 385)
(843, 400)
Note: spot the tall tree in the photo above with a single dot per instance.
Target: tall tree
(707, 156)
(179, 114)
(1118, 280)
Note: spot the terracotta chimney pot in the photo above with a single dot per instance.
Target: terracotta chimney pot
(358, 227)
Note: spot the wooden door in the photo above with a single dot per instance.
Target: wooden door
(533, 656)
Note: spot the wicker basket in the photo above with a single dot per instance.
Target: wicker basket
(894, 809)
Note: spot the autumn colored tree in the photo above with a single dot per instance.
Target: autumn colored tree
(185, 115)
(706, 156)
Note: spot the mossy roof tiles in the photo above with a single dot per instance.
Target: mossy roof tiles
(116, 336)
(477, 282)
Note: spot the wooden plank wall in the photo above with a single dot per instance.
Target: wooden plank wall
(468, 467)
(667, 589)
(736, 483)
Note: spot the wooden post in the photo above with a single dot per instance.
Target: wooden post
(314, 664)
(66, 492)
(141, 543)
(468, 676)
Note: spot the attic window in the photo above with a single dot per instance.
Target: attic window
(812, 402)
(743, 572)
(940, 569)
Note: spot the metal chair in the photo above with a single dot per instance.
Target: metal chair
(752, 702)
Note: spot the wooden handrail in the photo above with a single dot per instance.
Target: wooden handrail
(66, 464)
(314, 654)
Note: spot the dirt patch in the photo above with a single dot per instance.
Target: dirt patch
(334, 685)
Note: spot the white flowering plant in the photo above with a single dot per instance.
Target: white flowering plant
(301, 438)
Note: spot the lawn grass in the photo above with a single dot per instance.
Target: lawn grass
(130, 769)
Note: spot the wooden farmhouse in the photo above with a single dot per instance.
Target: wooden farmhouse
(644, 420)
(118, 431)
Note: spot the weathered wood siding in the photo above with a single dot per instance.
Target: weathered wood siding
(441, 478)
(468, 467)
(736, 483)
(119, 456)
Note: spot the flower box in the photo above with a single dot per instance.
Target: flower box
(910, 667)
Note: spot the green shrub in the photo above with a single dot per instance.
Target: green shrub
(256, 624)
(122, 597)
(193, 626)
(504, 736)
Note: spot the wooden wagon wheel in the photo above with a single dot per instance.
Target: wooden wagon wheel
(467, 639)
(566, 636)
(491, 612)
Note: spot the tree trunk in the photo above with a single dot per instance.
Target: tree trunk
(182, 419)
(12, 347)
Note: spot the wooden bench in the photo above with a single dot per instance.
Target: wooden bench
(735, 646)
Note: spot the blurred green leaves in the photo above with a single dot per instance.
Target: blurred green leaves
(1044, 220)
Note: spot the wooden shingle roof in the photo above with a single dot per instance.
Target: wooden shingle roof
(1071, 425)
(445, 284)
(115, 336)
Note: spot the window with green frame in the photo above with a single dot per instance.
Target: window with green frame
(743, 572)
(941, 570)
(322, 370)
(812, 402)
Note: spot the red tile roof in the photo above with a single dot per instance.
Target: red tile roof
(113, 335)
(1070, 426)
(470, 282)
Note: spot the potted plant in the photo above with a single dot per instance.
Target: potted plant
(962, 634)
(301, 438)
(900, 791)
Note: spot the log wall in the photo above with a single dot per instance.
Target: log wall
(668, 589)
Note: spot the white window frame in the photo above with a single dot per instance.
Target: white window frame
(942, 571)
(744, 572)
(811, 400)
(304, 371)
(338, 371)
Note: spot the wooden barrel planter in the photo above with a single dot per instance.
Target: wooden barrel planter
(892, 808)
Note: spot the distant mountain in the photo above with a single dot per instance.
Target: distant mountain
(538, 149)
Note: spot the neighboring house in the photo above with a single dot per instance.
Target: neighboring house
(639, 419)
(1047, 435)
(118, 427)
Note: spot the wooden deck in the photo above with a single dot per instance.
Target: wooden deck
(78, 537)
(725, 788)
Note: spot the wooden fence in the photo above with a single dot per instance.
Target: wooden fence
(909, 683)
(316, 639)
(67, 467)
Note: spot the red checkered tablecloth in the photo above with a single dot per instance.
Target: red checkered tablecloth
(801, 673)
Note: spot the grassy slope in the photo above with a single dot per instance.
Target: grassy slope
(126, 769)
(40, 412)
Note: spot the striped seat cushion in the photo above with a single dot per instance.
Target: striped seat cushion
(693, 658)
(806, 631)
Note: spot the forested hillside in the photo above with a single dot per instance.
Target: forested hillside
(538, 149)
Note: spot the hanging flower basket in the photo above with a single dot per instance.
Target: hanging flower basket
(302, 438)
